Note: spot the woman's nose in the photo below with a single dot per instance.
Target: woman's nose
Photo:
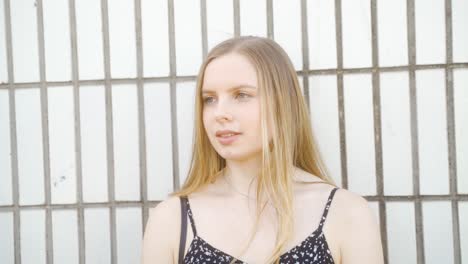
(222, 112)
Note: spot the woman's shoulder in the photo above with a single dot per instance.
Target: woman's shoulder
(168, 205)
(359, 228)
(357, 225)
(343, 198)
(162, 230)
(347, 206)
(167, 211)
(351, 206)
(348, 198)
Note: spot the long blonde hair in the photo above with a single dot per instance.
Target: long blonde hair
(293, 143)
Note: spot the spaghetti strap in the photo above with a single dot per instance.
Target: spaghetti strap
(327, 207)
(190, 215)
(183, 231)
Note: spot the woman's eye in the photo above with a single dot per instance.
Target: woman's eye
(208, 100)
(243, 95)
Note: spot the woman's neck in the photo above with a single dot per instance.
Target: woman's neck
(242, 176)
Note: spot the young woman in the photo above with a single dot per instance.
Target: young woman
(257, 190)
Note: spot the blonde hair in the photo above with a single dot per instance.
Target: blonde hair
(293, 144)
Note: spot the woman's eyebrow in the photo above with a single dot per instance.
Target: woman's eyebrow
(236, 87)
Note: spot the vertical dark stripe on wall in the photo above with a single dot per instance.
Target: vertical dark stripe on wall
(141, 116)
(204, 31)
(452, 153)
(172, 86)
(13, 135)
(109, 130)
(270, 19)
(378, 127)
(45, 132)
(341, 110)
(236, 10)
(77, 121)
(305, 52)
(411, 30)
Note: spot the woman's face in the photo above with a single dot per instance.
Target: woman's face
(231, 107)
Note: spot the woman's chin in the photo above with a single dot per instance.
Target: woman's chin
(229, 154)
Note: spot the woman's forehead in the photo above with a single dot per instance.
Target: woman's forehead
(229, 71)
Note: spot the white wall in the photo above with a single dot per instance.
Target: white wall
(87, 119)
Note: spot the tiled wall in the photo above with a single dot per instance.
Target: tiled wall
(96, 115)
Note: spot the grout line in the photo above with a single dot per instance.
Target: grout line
(236, 9)
(378, 128)
(452, 153)
(76, 101)
(13, 135)
(173, 94)
(204, 30)
(305, 51)
(141, 114)
(191, 78)
(124, 204)
(411, 30)
(340, 87)
(45, 133)
(270, 19)
(109, 130)
(61, 207)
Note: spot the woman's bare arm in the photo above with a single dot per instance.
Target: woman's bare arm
(361, 243)
(162, 232)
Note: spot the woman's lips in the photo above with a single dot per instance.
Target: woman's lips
(228, 140)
